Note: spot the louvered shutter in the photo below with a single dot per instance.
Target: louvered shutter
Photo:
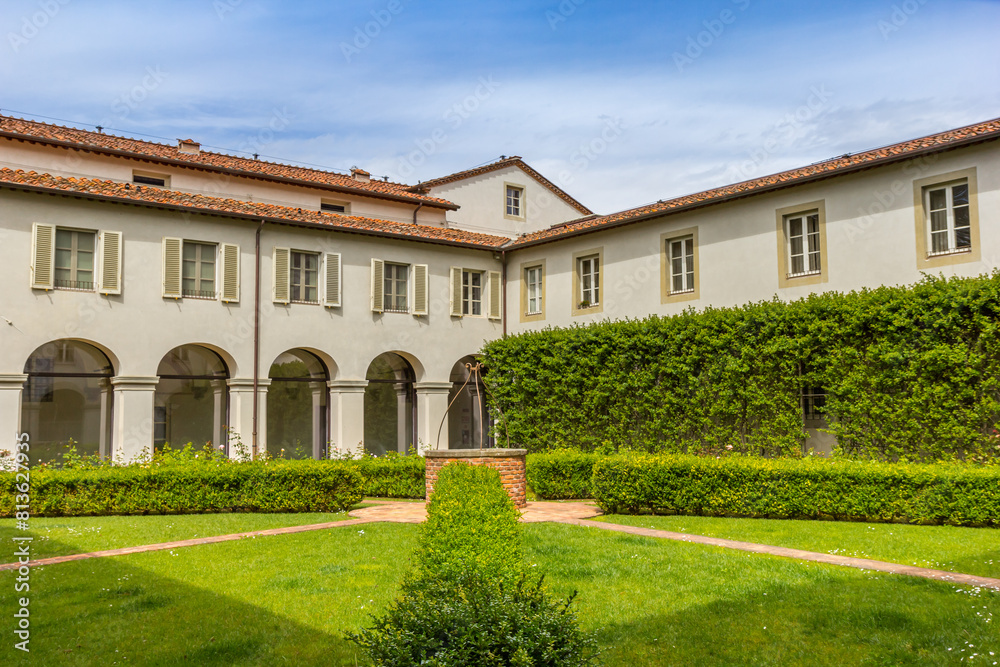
(43, 255)
(282, 276)
(496, 295)
(110, 245)
(172, 267)
(230, 255)
(420, 287)
(456, 291)
(378, 285)
(332, 296)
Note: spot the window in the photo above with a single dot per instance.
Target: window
(198, 270)
(590, 281)
(514, 201)
(948, 220)
(803, 244)
(157, 180)
(472, 292)
(814, 406)
(304, 277)
(681, 254)
(395, 287)
(533, 281)
(74, 259)
(333, 207)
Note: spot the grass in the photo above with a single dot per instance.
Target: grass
(287, 600)
(952, 548)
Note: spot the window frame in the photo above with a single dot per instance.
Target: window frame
(539, 287)
(300, 272)
(74, 260)
(926, 259)
(786, 278)
(467, 301)
(594, 254)
(396, 267)
(329, 206)
(147, 179)
(198, 294)
(808, 237)
(667, 293)
(520, 189)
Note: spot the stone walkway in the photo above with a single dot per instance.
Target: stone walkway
(570, 513)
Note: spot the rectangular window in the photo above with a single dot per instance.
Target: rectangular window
(803, 244)
(304, 277)
(533, 279)
(156, 180)
(472, 292)
(814, 406)
(198, 270)
(74, 259)
(396, 290)
(681, 255)
(515, 196)
(590, 281)
(948, 220)
(333, 207)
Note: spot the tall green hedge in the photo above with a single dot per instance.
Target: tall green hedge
(807, 488)
(909, 373)
(272, 486)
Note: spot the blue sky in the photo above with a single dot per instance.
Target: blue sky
(621, 103)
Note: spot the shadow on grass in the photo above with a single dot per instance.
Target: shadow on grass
(105, 611)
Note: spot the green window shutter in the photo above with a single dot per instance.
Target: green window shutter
(332, 296)
(229, 255)
(43, 255)
(110, 248)
(172, 267)
(456, 291)
(420, 288)
(378, 285)
(282, 275)
(496, 295)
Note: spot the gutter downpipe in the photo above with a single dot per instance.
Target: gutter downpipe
(503, 289)
(256, 333)
(419, 206)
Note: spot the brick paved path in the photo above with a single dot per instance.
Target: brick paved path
(570, 513)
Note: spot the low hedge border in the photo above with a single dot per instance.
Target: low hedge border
(798, 489)
(272, 486)
(391, 476)
(562, 474)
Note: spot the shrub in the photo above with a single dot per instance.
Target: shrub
(391, 476)
(908, 373)
(263, 486)
(799, 488)
(470, 600)
(562, 474)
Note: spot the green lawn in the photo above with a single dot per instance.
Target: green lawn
(287, 599)
(951, 548)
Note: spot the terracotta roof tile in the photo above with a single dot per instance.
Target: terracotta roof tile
(29, 130)
(513, 161)
(905, 150)
(159, 197)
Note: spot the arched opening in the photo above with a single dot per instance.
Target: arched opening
(67, 399)
(192, 398)
(390, 405)
(297, 406)
(469, 418)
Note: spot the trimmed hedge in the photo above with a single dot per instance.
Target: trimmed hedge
(391, 476)
(561, 475)
(798, 489)
(272, 486)
(909, 372)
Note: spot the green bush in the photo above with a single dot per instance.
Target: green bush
(562, 474)
(391, 476)
(909, 373)
(470, 600)
(807, 488)
(262, 486)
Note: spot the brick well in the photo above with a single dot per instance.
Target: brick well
(508, 462)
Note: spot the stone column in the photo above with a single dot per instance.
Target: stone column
(317, 420)
(11, 387)
(432, 404)
(107, 401)
(132, 416)
(240, 437)
(404, 414)
(347, 414)
(218, 413)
